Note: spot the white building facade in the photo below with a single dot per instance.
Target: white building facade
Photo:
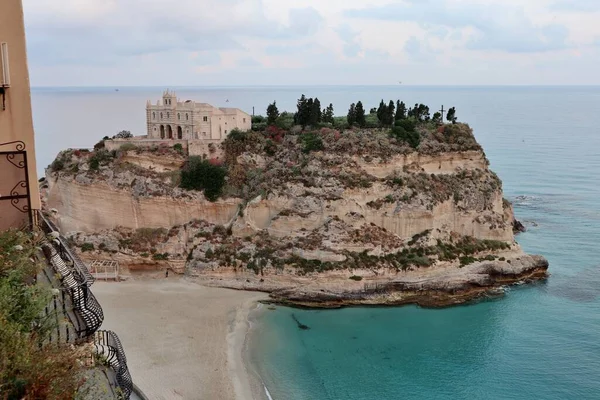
(170, 118)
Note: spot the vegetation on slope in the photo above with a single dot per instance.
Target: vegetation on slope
(29, 368)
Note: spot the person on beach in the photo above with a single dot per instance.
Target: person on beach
(166, 273)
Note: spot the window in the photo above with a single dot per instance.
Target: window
(154, 129)
(225, 123)
(178, 116)
(226, 131)
(205, 119)
(186, 117)
(160, 115)
(244, 120)
(203, 133)
(168, 116)
(153, 115)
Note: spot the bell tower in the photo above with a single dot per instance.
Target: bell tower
(169, 99)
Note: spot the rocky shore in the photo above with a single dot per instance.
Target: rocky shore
(442, 287)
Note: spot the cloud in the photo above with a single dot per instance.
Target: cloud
(305, 21)
(92, 32)
(155, 42)
(349, 38)
(576, 5)
(497, 26)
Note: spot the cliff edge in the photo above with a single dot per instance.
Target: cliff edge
(320, 218)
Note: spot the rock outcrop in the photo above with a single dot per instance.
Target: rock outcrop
(363, 219)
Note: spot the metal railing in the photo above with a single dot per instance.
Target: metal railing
(108, 346)
(87, 310)
(48, 227)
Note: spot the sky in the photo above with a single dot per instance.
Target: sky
(312, 42)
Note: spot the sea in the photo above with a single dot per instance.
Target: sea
(539, 341)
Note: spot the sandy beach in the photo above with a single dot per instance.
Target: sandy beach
(182, 340)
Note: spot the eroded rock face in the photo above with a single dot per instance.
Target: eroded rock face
(428, 227)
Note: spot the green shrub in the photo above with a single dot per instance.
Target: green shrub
(356, 278)
(199, 174)
(285, 120)
(123, 135)
(100, 157)
(259, 126)
(404, 131)
(178, 148)
(312, 142)
(237, 134)
(160, 256)
(466, 260)
(257, 119)
(58, 165)
(340, 122)
(87, 247)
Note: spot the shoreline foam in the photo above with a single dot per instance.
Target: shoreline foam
(246, 382)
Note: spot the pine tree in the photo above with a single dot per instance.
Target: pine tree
(437, 118)
(424, 113)
(328, 114)
(272, 113)
(308, 112)
(360, 114)
(301, 115)
(390, 113)
(381, 111)
(315, 113)
(451, 116)
(400, 110)
(352, 114)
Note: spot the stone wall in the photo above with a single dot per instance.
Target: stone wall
(211, 148)
(115, 144)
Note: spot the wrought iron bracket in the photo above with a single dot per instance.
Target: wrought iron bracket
(19, 145)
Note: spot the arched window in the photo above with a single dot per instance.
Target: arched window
(153, 115)
(168, 115)
(160, 115)
(186, 117)
(178, 116)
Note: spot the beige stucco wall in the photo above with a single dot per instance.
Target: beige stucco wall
(16, 121)
(199, 121)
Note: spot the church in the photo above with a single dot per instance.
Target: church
(171, 118)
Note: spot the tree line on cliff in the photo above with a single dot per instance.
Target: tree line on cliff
(310, 114)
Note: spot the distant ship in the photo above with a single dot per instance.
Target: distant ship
(116, 90)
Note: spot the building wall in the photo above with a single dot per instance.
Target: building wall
(15, 120)
(203, 122)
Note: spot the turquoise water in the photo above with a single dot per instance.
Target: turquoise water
(538, 342)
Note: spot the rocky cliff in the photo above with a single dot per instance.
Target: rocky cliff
(317, 218)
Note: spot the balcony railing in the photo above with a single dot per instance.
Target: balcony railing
(109, 347)
(87, 310)
(62, 246)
